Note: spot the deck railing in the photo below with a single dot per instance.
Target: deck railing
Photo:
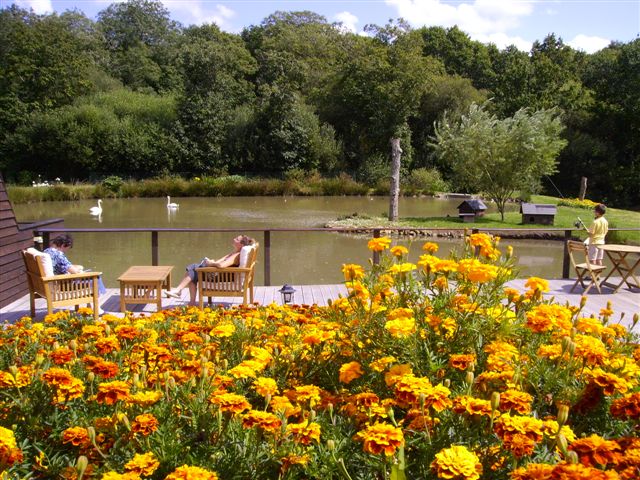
(563, 234)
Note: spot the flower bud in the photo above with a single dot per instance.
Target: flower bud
(583, 301)
(635, 320)
(572, 457)
(331, 445)
(39, 359)
(73, 345)
(107, 330)
(312, 415)
(574, 331)
(171, 383)
(422, 399)
(561, 441)
(572, 348)
(136, 379)
(92, 434)
(14, 371)
(447, 382)
(495, 401)
(91, 377)
(81, 465)
(563, 414)
(469, 377)
(566, 341)
(55, 345)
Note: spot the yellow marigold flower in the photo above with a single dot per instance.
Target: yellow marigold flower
(409, 389)
(399, 251)
(609, 382)
(457, 463)
(550, 429)
(230, 402)
(591, 350)
(223, 330)
(441, 283)
(461, 361)
(515, 400)
(352, 272)
(309, 393)
(265, 386)
(595, 451)
(430, 247)
(545, 317)
(552, 352)
(396, 372)
(293, 459)
(263, 420)
(358, 290)
(186, 472)
(282, 405)
(76, 436)
(379, 244)
(381, 438)
(399, 313)
(304, 432)
(401, 328)
(107, 345)
(381, 364)
(350, 371)
(120, 476)
(399, 268)
(92, 331)
(533, 471)
(69, 391)
(519, 434)
(477, 271)
(145, 424)
(9, 451)
(537, 284)
(512, 294)
(21, 377)
(112, 392)
(143, 464)
(589, 325)
(242, 371)
(145, 398)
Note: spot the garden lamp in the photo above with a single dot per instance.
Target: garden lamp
(287, 292)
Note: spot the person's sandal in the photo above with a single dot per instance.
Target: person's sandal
(171, 294)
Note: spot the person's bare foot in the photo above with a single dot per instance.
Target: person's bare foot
(172, 294)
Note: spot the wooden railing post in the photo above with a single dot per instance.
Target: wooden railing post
(565, 255)
(154, 248)
(376, 255)
(267, 257)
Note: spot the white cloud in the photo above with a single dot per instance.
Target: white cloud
(349, 21)
(39, 6)
(483, 20)
(199, 12)
(589, 44)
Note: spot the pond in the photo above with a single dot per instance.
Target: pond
(296, 257)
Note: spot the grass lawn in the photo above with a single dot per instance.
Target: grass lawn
(565, 218)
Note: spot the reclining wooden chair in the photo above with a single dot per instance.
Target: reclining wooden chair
(58, 290)
(230, 281)
(584, 270)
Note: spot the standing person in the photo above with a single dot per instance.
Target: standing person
(597, 232)
(61, 264)
(231, 259)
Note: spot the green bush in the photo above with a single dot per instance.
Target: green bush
(426, 181)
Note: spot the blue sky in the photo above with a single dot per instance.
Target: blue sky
(584, 24)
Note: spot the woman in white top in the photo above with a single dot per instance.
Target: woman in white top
(597, 232)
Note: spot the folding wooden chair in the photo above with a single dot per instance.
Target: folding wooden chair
(585, 270)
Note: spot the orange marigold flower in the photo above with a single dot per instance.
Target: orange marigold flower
(304, 432)
(20, 377)
(627, 408)
(477, 271)
(533, 471)
(186, 472)
(515, 400)
(282, 405)
(145, 424)
(381, 364)
(461, 361)
(547, 317)
(399, 251)
(112, 392)
(143, 464)
(400, 268)
(609, 382)
(69, 391)
(9, 451)
(381, 438)
(293, 459)
(595, 451)
(591, 349)
(396, 372)
(379, 244)
(409, 389)
(116, 476)
(263, 420)
(309, 393)
(457, 463)
(230, 402)
(108, 344)
(350, 371)
(537, 284)
(471, 406)
(76, 436)
(61, 355)
(401, 328)
(265, 386)
(128, 332)
(567, 471)
(145, 398)
(352, 272)
(519, 434)
(105, 369)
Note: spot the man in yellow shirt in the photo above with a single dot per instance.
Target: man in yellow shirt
(597, 231)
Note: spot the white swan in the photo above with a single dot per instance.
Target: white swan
(96, 210)
(171, 205)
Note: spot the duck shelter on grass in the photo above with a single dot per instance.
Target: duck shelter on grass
(538, 213)
(470, 209)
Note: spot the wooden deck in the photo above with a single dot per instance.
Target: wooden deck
(624, 302)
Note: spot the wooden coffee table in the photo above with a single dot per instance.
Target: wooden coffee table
(142, 285)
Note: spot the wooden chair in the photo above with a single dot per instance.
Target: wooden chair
(230, 281)
(73, 289)
(584, 270)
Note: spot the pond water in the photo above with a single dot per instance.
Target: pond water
(296, 257)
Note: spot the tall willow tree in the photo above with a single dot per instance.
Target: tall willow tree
(500, 157)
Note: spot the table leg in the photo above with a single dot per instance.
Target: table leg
(122, 304)
(159, 295)
(629, 272)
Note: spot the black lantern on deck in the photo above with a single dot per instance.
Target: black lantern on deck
(287, 292)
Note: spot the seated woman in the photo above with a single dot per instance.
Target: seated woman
(61, 264)
(231, 259)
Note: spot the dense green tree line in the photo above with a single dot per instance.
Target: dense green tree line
(138, 95)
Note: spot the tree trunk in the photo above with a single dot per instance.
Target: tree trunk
(583, 188)
(396, 153)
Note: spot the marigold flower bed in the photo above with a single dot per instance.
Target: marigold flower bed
(431, 370)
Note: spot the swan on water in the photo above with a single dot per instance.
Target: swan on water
(171, 205)
(96, 210)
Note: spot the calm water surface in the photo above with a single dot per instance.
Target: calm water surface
(296, 257)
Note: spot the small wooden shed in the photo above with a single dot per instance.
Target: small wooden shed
(540, 213)
(470, 209)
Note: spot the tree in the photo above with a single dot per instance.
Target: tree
(499, 157)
